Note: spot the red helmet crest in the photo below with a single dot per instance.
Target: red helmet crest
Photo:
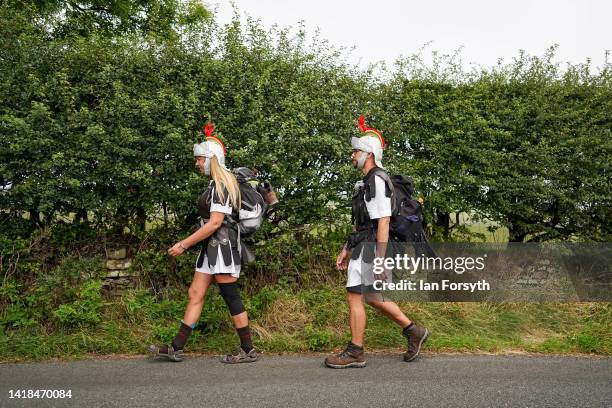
(209, 128)
(364, 129)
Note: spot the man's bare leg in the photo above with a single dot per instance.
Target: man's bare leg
(353, 355)
(391, 310)
(414, 334)
(357, 317)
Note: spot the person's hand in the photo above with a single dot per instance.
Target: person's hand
(383, 272)
(341, 263)
(381, 276)
(177, 249)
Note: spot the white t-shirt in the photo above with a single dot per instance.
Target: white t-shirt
(380, 205)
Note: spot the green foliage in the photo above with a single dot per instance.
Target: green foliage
(139, 307)
(100, 104)
(85, 310)
(68, 294)
(264, 297)
(544, 327)
(324, 303)
(102, 127)
(507, 145)
(14, 309)
(163, 18)
(317, 339)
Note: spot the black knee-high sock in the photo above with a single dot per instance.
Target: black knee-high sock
(181, 338)
(245, 338)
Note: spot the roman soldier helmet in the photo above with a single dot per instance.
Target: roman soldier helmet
(211, 146)
(370, 141)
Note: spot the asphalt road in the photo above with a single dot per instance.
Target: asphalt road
(303, 381)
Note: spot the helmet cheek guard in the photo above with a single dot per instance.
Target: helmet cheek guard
(207, 166)
(362, 159)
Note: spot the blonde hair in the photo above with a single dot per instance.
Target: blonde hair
(225, 180)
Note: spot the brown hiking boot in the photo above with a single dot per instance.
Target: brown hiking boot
(350, 357)
(415, 336)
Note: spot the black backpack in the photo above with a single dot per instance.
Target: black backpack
(407, 219)
(406, 213)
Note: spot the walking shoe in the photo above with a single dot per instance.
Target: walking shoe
(240, 356)
(167, 352)
(415, 336)
(350, 357)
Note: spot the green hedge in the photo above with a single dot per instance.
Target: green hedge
(100, 124)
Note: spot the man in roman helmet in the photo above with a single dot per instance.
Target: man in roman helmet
(220, 257)
(373, 205)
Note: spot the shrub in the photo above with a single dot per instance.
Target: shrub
(85, 310)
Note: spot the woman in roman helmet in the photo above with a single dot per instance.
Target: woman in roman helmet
(220, 257)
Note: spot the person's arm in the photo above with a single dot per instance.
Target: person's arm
(382, 236)
(215, 221)
(348, 239)
(380, 210)
(341, 259)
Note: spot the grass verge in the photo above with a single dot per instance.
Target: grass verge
(316, 320)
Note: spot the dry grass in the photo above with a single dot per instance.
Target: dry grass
(286, 316)
(538, 336)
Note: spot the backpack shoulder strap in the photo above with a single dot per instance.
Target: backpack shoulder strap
(215, 195)
(370, 182)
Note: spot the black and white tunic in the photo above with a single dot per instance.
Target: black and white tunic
(221, 251)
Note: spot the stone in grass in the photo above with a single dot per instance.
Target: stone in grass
(119, 253)
(119, 274)
(114, 264)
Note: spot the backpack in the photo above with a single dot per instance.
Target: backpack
(406, 213)
(252, 206)
(407, 219)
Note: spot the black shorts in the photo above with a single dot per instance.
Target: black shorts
(361, 289)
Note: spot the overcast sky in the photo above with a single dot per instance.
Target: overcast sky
(487, 29)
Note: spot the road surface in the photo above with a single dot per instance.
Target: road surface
(303, 381)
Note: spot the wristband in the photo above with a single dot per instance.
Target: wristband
(182, 246)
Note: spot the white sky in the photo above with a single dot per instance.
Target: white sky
(488, 30)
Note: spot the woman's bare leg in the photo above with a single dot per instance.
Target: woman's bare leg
(197, 292)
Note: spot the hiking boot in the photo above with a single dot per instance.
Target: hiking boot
(167, 352)
(240, 356)
(415, 336)
(350, 357)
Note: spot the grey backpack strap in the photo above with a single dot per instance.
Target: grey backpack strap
(371, 184)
